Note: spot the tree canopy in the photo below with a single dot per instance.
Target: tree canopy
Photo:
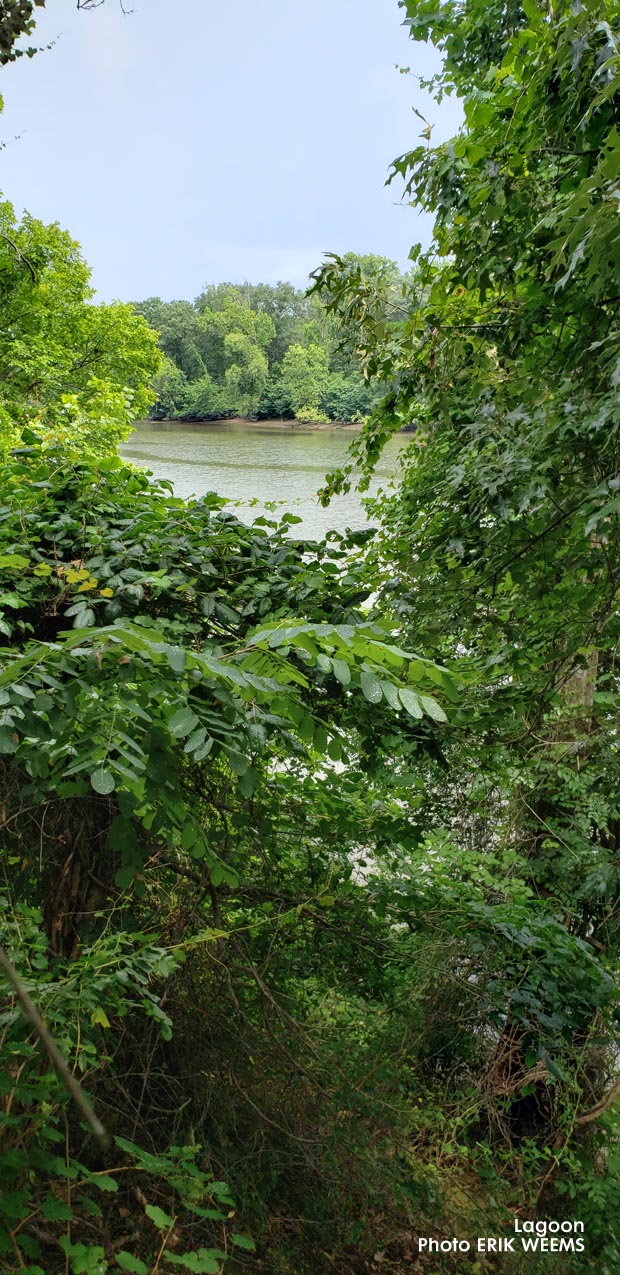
(255, 350)
(82, 371)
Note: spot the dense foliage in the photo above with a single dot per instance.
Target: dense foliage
(82, 372)
(309, 851)
(501, 549)
(258, 350)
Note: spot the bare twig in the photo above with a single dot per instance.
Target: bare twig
(73, 1087)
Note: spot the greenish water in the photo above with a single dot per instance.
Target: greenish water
(257, 464)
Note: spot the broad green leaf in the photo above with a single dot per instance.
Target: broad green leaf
(305, 729)
(182, 722)
(433, 709)
(341, 671)
(8, 740)
(390, 692)
(410, 701)
(243, 1241)
(14, 560)
(371, 686)
(203, 1261)
(177, 658)
(56, 1210)
(204, 749)
(247, 782)
(103, 781)
(236, 761)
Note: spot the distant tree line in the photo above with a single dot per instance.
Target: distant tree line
(259, 350)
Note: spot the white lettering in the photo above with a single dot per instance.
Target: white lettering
(427, 1244)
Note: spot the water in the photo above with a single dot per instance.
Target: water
(253, 465)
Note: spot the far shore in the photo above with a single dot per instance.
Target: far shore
(347, 427)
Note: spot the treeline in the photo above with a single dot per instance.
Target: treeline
(259, 350)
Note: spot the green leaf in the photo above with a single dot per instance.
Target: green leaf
(99, 1018)
(157, 1215)
(131, 1264)
(15, 560)
(182, 722)
(125, 877)
(433, 709)
(341, 671)
(236, 761)
(371, 686)
(243, 1241)
(177, 658)
(204, 1261)
(8, 741)
(390, 692)
(196, 740)
(305, 729)
(56, 1210)
(103, 781)
(204, 749)
(410, 701)
(247, 782)
(102, 1181)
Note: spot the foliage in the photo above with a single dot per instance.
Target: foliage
(171, 388)
(500, 550)
(83, 371)
(16, 21)
(257, 349)
(186, 694)
(304, 376)
(310, 851)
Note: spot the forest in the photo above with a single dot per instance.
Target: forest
(310, 850)
(262, 351)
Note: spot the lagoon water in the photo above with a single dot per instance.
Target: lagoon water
(255, 464)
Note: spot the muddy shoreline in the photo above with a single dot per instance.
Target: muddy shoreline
(291, 426)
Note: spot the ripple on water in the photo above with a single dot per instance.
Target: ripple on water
(260, 464)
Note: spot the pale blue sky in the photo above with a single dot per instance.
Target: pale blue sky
(195, 141)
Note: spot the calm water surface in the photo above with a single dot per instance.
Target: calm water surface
(252, 466)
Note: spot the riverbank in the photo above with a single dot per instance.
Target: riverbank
(293, 426)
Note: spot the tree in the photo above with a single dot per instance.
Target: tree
(66, 361)
(204, 399)
(304, 376)
(171, 387)
(245, 378)
(180, 333)
(286, 306)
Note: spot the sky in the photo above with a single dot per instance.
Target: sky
(193, 141)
